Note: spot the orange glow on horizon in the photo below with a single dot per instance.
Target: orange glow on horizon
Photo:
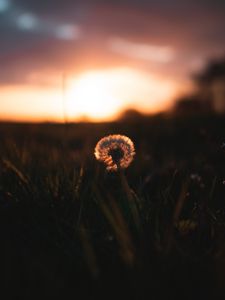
(103, 94)
(97, 95)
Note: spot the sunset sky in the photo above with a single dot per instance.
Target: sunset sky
(114, 54)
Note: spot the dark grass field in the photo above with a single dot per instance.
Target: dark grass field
(68, 227)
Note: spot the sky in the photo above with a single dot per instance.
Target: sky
(94, 58)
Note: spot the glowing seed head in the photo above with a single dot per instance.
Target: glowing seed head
(115, 151)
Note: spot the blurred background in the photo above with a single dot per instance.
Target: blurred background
(99, 60)
(67, 225)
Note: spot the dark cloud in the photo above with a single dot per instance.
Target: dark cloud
(194, 29)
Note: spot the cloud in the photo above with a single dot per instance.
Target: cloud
(27, 21)
(4, 5)
(148, 52)
(40, 37)
(67, 31)
(60, 30)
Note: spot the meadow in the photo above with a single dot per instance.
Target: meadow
(69, 227)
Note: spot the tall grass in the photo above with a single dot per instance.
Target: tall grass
(68, 225)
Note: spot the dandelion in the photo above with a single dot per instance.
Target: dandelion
(115, 151)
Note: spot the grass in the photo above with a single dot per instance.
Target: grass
(69, 227)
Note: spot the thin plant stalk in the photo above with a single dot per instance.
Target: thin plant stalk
(130, 197)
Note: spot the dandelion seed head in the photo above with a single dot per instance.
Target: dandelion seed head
(115, 151)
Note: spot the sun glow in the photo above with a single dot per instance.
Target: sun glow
(101, 95)
(92, 96)
(98, 95)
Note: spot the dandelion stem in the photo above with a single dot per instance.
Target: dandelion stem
(130, 198)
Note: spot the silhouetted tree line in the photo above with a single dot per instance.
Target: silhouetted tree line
(209, 95)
